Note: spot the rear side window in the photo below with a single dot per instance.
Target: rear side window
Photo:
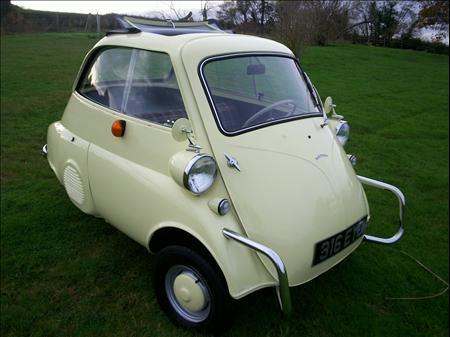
(135, 82)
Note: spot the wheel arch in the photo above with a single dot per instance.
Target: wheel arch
(174, 235)
(240, 267)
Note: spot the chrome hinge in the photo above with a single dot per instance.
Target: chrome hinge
(232, 162)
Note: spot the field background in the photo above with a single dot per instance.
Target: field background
(67, 274)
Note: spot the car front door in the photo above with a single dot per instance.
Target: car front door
(288, 179)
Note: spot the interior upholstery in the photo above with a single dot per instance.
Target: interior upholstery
(232, 113)
(155, 104)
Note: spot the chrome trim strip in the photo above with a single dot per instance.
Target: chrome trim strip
(44, 151)
(283, 283)
(402, 205)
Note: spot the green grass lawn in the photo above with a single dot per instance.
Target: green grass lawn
(64, 273)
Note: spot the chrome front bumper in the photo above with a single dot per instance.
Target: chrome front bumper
(284, 296)
(283, 292)
(402, 204)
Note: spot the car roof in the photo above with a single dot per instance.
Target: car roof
(196, 45)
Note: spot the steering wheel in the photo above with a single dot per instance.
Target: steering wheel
(268, 108)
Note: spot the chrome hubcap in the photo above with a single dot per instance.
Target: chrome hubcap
(188, 293)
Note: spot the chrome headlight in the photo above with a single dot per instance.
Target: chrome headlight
(200, 173)
(342, 132)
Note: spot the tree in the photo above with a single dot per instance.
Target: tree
(227, 14)
(434, 14)
(206, 7)
(291, 30)
(243, 8)
(263, 11)
(388, 21)
(249, 15)
(380, 21)
(359, 22)
(173, 13)
(312, 22)
(5, 7)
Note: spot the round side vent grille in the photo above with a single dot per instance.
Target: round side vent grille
(73, 184)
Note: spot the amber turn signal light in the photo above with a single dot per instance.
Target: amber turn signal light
(118, 127)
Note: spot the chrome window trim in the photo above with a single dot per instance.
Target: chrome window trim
(254, 127)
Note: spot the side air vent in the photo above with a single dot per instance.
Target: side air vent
(73, 185)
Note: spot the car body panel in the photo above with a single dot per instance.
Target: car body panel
(67, 156)
(296, 185)
(127, 180)
(136, 194)
(292, 191)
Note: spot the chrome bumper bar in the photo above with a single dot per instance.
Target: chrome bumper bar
(402, 204)
(284, 295)
(283, 292)
(44, 151)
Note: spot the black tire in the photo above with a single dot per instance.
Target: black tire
(216, 314)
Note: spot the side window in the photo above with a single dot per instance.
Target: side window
(154, 94)
(135, 82)
(105, 81)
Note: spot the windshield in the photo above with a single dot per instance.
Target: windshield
(250, 91)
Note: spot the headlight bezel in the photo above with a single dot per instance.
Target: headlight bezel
(342, 127)
(190, 165)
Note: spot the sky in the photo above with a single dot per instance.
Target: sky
(119, 7)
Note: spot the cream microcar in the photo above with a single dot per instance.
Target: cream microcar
(215, 152)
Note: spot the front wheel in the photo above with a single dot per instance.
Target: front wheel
(190, 290)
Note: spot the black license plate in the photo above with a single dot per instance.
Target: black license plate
(329, 247)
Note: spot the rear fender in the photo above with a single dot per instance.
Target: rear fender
(67, 157)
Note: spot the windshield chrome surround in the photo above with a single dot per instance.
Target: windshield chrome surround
(262, 125)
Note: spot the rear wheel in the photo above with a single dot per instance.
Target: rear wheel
(190, 290)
